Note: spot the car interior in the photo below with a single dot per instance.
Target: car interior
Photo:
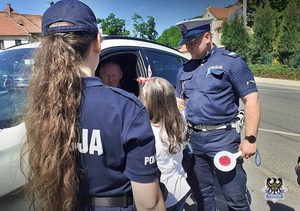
(162, 65)
(129, 65)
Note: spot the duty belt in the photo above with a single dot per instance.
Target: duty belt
(123, 200)
(205, 128)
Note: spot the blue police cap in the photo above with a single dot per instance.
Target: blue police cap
(192, 29)
(80, 16)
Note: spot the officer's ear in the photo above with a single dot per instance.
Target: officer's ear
(207, 37)
(97, 44)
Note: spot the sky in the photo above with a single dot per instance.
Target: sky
(166, 13)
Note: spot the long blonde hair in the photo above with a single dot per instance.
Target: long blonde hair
(158, 96)
(51, 119)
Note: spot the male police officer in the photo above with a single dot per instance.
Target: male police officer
(211, 84)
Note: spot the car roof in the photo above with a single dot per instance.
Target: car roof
(117, 41)
(111, 41)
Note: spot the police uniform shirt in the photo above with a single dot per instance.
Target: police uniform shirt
(212, 87)
(117, 143)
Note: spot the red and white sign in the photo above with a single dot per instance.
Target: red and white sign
(226, 161)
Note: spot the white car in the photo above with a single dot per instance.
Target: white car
(136, 57)
(14, 66)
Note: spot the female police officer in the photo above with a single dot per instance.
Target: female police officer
(212, 83)
(71, 114)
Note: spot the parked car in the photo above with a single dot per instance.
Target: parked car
(14, 65)
(136, 57)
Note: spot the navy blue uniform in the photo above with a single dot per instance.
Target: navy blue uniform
(212, 88)
(117, 143)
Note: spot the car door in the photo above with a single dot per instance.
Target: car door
(164, 63)
(14, 69)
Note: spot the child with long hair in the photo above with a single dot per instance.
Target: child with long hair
(158, 96)
(90, 147)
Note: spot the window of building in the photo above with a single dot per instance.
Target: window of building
(18, 42)
(1, 44)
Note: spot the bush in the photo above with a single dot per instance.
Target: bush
(275, 71)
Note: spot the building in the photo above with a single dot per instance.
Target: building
(219, 15)
(18, 28)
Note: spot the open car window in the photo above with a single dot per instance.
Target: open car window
(131, 65)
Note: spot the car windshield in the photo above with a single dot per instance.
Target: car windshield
(15, 66)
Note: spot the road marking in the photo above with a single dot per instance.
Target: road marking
(280, 132)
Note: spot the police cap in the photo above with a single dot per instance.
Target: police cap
(192, 29)
(77, 13)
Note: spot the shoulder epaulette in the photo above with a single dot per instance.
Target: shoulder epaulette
(230, 53)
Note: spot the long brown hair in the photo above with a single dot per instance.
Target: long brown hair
(51, 119)
(158, 96)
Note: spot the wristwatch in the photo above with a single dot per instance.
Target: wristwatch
(251, 139)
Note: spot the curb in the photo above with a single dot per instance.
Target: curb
(281, 82)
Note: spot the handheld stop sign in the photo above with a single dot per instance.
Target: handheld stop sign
(226, 161)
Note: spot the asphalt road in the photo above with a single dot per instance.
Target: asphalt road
(279, 147)
(278, 143)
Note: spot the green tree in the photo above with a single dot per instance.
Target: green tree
(289, 39)
(252, 5)
(170, 37)
(251, 11)
(235, 36)
(264, 35)
(279, 5)
(226, 34)
(144, 30)
(113, 26)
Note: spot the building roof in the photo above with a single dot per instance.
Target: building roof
(15, 24)
(223, 13)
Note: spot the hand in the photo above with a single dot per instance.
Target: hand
(180, 103)
(248, 149)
